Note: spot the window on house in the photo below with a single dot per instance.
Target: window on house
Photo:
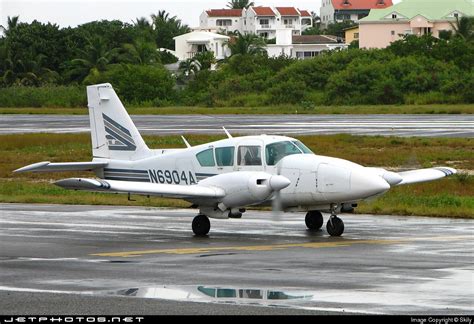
(224, 22)
(356, 35)
(264, 22)
(249, 155)
(206, 158)
(394, 16)
(393, 33)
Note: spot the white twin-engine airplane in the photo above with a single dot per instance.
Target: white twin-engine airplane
(223, 177)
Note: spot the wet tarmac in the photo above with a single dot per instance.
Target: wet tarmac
(386, 125)
(136, 260)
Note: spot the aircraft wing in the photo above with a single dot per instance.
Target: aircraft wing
(61, 167)
(140, 188)
(422, 175)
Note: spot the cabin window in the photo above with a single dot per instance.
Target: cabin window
(206, 158)
(225, 156)
(249, 155)
(276, 151)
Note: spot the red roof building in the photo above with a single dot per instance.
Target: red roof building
(361, 4)
(305, 13)
(333, 11)
(264, 11)
(288, 11)
(224, 12)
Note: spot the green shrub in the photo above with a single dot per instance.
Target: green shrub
(138, 83)
(48, 97)
(290, 91)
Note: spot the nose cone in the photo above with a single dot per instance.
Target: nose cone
(366, 184)
(278, 182)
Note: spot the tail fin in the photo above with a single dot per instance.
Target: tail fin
(114, 136)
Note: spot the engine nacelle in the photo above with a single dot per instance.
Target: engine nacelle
(245, 188)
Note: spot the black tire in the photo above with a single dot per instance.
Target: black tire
(336, 228)
(314, 220)
(201, 225)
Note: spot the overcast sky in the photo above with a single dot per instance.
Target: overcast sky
(75, 12)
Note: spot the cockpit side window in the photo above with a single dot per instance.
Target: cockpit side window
(225, 156)
(276, 151)
(206, 158)
(249, 155)
(303, 147)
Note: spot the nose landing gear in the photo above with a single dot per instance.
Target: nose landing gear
(335, 225)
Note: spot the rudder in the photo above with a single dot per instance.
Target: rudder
(113, 133)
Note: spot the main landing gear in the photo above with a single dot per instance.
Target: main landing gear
(201, 225)
(335, 225)
(314, 220)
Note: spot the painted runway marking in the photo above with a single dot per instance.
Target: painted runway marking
(272, 247)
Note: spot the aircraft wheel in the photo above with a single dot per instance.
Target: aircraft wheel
(335, 226)
(314, 220)
(201, 225)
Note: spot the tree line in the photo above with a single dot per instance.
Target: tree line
(44, 65)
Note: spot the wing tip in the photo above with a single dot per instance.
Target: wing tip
(31, 167)
(447, 170)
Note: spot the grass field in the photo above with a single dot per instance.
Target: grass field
(286, 109)
(451, 197)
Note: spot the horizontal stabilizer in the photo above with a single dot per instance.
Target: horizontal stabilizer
(423, 175)
(140, 188)
(60, 167)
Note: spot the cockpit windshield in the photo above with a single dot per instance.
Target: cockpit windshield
(303, 147)
(276, 151)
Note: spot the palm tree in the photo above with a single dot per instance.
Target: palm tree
(166, 27)
(12, 22)
(139, 52)
(190, 67)
(28, 72)
(94, 58)
(240, 4)
(144, 27)
(142, 23)
(247, 44)
(464, 28)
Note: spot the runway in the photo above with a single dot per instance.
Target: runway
(137, 260)
(386, 125)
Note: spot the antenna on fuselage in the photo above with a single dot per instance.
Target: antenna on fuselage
(226, 132)
(186, 142)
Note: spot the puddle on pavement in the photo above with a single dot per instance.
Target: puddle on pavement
(217, 294)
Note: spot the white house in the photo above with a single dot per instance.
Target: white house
(225, 20)
(188, 45)
(302, 46)
(262, 21)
